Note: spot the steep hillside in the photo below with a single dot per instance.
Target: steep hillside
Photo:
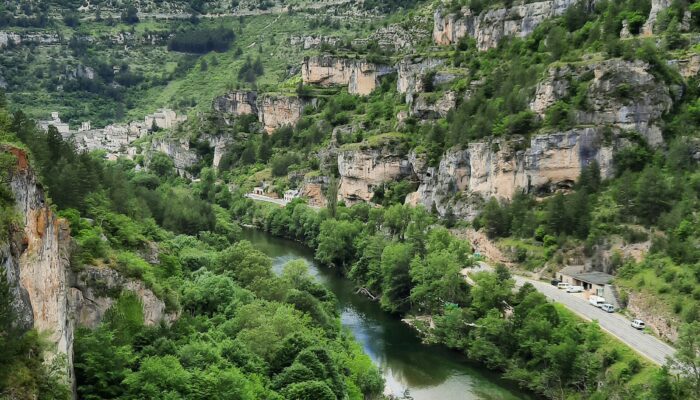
(561, 133)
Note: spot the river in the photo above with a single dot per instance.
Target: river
(428, 372)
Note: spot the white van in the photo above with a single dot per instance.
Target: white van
(607, 307)
(563, 285)
(574, 289)
(638, 324)
(596, 301)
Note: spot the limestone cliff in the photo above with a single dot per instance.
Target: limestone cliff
(656, 7)
(492, 25)
(500, 168)
(411, 72)
(95, 290)
(177, 149)
(619, 93)
(361, 77)
(47, 294)
(37, 264)
(273, 110)
(364, 167)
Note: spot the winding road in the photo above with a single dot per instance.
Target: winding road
(615, 324)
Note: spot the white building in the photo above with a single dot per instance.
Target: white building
(55, 121)
(290, 195)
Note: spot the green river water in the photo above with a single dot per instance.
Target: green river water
(428, 372)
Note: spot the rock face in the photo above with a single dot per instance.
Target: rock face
(312, 42)
(364, 169)
(96, 290)
(646, 308)
(492, 25)
(410, 74)
(619, 93)
(274, 111)
(47, 296)
(360, 76)
(656, 7)
(37, 263)
(500, 168)
(178, 150)
(687, 67)
(433, 105)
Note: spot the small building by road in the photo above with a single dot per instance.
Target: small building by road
(593, 282)
(259, 191)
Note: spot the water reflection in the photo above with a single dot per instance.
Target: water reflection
(429, 372)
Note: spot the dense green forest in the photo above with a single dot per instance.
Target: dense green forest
(242, 331)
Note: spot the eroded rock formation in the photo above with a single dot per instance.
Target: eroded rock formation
(273, 110)
(361, 77)
(37, 264)
(363, 168)
(500, 168)
(96, 290)
(492, 25)
(618, 93)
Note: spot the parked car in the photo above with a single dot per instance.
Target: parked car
(638, 324)
(574, 289)
(563, 285)
(607, 307)
(596, 301)
(554, 282)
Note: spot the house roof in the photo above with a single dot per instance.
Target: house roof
(595, 277)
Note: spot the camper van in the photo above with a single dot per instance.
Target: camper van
(596, 301)
(574, 289)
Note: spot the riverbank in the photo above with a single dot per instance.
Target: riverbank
(426, 371)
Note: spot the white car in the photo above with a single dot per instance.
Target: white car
(638, 324)
(574, 289)
(563, 285)
(607, 307)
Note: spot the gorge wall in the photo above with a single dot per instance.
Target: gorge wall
(361, 77)
(273, 110)
(492, 25)
(48, 295)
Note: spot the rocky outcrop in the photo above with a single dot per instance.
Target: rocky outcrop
(239, 102)
(178, 150)
(433, 105)
(619, 93)
(364, 167)
(23, 38)
(656, 7)
(97, 289)
(687, 67)
(646, 308)
(312, 42)
(273, 110)
(37, 264)
(313, 190)
(500, 168)
(361, 77)
(393, 38)
(277, 111)
(492, 25)
(411, 72)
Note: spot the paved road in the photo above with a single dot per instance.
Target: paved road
(616, 324)
(279, 202)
